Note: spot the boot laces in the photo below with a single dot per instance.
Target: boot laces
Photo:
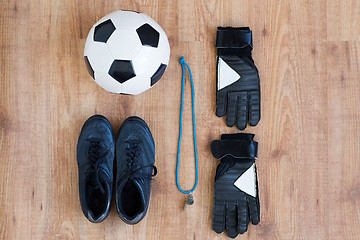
(133, 152)
(96, 157)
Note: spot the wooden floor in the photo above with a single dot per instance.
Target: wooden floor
(308, 55)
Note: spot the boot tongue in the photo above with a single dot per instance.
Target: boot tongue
(95, 182)
(138, 185)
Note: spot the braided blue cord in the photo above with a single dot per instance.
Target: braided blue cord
(183, 64)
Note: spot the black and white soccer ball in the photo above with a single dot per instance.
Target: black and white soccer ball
(126, 52)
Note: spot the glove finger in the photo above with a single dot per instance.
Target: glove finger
(254, 208)
(243, 216)
(231, 109)
(231, 220)
(218, 223)
(254, 107)
(221, 103)
(242, 111)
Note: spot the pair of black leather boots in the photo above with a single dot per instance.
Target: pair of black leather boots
(133, 155)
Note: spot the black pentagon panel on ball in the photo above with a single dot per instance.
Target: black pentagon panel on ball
(122, 70)
(89, 68)
(103, 31)
(148, 35)
(157, 75)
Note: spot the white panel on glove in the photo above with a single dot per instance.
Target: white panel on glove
(246, 182)
(226, 75)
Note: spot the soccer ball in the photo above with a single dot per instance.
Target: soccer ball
(126, 52)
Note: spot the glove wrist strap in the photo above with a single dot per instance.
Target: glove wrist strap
(234, 41)
(237, 149)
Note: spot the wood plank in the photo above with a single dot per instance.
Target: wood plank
(342, 20)
(343, 138)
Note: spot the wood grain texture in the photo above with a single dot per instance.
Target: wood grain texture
(308, 55)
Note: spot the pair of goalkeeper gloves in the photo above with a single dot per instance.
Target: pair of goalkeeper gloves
(236, 195)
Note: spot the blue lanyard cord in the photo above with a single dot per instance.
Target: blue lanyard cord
(183, 64)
